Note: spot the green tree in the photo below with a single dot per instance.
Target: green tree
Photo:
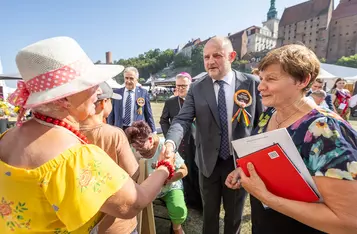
(197, 63)
(240, 65)
(350, 61)
(119, 78)
(148, 63)
(142, 80)
(181, 60)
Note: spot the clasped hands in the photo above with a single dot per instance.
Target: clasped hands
(167, 154)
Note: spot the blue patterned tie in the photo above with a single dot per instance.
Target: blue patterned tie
(224, 152)
(127, 114)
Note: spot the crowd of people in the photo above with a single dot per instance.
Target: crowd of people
(73, 166)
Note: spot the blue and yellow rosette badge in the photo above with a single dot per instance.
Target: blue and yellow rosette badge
(141, 102)
(243, 99)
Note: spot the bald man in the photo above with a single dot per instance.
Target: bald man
(210, 101)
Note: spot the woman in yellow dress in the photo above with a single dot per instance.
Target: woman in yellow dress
(51, 180)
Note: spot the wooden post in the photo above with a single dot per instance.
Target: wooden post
(146, 219)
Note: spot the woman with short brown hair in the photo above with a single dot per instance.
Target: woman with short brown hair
(326, 143)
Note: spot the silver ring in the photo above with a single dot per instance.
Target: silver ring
(238, 181)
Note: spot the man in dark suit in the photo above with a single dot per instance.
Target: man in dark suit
(187, 147)
(318, 85)
(214, 101)
(135, 104)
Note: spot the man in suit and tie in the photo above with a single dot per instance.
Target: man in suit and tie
(318, 85)
(187, 147)
(213, 102)
(135, 104)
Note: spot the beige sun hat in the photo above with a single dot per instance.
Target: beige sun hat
(55, 68)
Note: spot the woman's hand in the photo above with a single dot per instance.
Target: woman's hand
(253, 184)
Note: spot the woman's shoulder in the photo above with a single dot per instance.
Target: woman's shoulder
(316, 115)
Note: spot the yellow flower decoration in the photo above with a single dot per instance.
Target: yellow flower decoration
(338, 174)
(352, 168)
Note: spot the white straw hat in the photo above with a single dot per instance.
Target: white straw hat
(55, 68)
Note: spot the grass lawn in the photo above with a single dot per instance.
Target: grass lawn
(193, 224)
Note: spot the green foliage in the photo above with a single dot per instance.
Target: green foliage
(180, 60)
(350, 61)
(148, 63)
(142, 80)
(163, 76)
(197, 64)
(322, 60)
(240, 65)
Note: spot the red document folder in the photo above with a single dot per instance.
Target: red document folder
(279, 174)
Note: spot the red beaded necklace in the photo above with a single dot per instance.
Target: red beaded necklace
(63, 124)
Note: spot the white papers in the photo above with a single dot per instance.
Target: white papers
(281, 136)
(342, 106)
(353, 101)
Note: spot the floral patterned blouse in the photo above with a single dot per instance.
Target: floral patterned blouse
(326, 142)
(328, 146)
(62, 196)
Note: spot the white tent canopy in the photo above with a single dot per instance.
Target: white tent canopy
(199, 75)
(335, 71)
(8, 82)
(339, 71)
(325, 74)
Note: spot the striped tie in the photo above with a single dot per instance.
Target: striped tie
(127, 116)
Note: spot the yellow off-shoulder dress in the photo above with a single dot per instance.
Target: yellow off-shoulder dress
(62, 196)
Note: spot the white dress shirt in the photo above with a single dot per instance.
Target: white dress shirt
(229, 90)
(126, 93)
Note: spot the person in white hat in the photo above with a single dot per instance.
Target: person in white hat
(51, 180)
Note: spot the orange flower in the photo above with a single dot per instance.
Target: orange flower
(85, 178)
(5, 209)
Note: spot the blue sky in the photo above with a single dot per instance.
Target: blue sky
(127, 28)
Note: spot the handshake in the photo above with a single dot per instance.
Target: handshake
(168, 153)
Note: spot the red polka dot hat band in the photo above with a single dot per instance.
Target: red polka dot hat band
(55, 68)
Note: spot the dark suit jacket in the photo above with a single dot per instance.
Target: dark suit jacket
(170, 110)
(116, 116)
(201, 104)
(328, 100)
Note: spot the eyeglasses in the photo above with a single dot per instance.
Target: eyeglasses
(181, 86)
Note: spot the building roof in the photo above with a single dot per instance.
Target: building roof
(304, 11)
(345, 9)
(237, 34)
(204, 42)
(192, 42)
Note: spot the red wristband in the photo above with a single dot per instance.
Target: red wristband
(169, 167)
